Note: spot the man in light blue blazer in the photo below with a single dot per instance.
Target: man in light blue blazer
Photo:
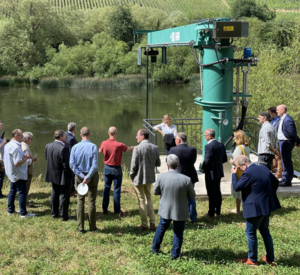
(258, 186)
(175, 189)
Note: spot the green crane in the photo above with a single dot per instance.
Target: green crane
(213, 38)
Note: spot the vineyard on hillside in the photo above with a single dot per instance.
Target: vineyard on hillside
(186, 6)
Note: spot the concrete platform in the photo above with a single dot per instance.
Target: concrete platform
(200, 188)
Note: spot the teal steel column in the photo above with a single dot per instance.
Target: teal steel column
(217, 98)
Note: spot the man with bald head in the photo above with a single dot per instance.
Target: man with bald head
(112, 151)
(84, 164)
(288, 138)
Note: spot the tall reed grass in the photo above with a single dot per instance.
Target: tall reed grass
(96, 83)
(7, 81)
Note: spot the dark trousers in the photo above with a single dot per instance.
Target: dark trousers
(266, 160)
(214, 194)
(20, 187)
(112, 174)
(92, 195)
(286, 147)
(177, 237)
(192, 208)
(260, 223)
(60, 200)
(73, 184)
(2, 175)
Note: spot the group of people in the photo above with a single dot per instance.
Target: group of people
(70, 163)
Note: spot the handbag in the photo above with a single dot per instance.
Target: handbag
(238, 171)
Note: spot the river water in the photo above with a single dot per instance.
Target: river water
(42, 111)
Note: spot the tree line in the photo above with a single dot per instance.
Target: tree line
(36, 41)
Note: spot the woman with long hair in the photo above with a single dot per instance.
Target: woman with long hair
(242, 148)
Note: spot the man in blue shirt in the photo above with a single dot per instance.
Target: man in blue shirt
(84, 164)
(16, 166)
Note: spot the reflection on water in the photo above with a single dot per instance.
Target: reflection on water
(44, 111)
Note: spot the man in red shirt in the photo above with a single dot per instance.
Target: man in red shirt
(113, 150)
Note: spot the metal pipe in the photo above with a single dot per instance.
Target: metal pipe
(237, 110)
(147, 88)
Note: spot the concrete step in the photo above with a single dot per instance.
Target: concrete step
(200, 188)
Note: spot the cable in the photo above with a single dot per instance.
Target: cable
(223, 60)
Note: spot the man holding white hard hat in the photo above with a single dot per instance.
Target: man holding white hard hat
(84, 164)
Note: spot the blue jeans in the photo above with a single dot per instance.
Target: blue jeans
(286, 148)
(193, 211)
(177, 237)
(262, 224)
(2, 175)
(112, 174)
(20, 187)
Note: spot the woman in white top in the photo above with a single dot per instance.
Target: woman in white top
(166, 127)
(242, 148)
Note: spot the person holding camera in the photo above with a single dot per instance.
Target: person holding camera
(3, 141)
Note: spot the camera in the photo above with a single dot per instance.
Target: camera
(2, 136)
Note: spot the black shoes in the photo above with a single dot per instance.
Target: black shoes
(285, 185)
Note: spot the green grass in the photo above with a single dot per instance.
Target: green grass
(45, 246)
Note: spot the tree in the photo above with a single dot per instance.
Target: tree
(121, 25)
(31, 27)
(249, 8)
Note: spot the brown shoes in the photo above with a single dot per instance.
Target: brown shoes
(152, 226)
(121, 214)
(207, 216)
(246, 261)
(264, 258)
(143, 227)
(278, 176)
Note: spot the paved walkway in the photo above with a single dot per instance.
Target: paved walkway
(226, 181)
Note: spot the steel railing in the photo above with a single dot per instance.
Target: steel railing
(193, 129)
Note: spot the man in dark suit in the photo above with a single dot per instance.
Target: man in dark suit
(258, 186)
(59, 174)
(175, 190)
(288, 138)
(187, 156)
(215, 156)
(70, 142)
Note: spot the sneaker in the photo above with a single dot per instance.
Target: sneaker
(16, 212)
(28, 215)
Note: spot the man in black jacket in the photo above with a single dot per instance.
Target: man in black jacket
(215, 156)
(59, 174)
(70, 142)
(187, 156)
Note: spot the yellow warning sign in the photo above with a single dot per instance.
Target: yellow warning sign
(228, 28)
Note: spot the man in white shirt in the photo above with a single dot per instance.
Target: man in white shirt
(16, 166)
(288, 138)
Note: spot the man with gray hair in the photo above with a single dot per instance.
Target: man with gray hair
(84, 164)
(215, 156)
(145, 158)
(70, 142)
(27, 138)
(175, 189)
(187, 158)
(112, 151)
(16, 166)
(258, 186)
